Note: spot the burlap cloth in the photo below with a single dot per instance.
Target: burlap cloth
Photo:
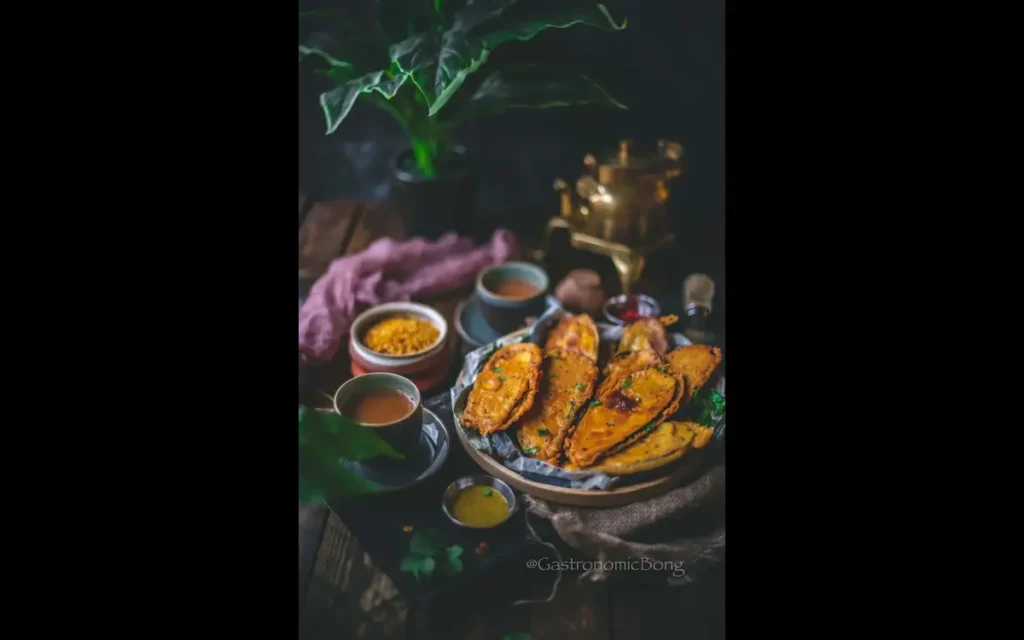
(684, 527)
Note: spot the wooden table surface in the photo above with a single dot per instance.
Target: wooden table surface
(343, 595)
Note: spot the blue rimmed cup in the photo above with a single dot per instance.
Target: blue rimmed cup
(510, 293)
(402, 433)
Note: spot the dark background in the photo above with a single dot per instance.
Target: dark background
(667, 66)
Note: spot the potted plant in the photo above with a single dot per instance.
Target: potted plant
(418, 60)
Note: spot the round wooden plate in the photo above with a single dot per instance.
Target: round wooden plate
(683, 469)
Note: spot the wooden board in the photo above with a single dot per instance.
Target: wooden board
(686, 468)
(347, 595)
(312, 519)
(324, 235)
(376, 221)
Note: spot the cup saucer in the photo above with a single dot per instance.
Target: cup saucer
(432, 452)
(471, 326)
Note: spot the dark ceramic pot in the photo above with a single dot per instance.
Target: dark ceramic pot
(431, 207)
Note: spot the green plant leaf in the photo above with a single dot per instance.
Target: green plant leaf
(517, 636)
(414, 563)
(345, 42)
(526, 25)
(452, 564)
(439, 63)
(326, 439)
(305, 52)
(452, 567)
(337, 102)
(427, 566)
(427, 553)
(317, 484)
(326, 434)
(417, 56)
(534, 87)
(427, 543)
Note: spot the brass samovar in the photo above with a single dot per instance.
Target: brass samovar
(619, 208)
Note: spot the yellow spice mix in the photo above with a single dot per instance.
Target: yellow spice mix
(401, 336)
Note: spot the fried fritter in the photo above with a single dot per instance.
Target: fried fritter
(567, 383)
(505, 388)
(624, 413)
(574, 333)
(666, 443)
(696, 363)
(624, 364)
(646, 333)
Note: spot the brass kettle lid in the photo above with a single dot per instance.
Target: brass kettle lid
(628, 163)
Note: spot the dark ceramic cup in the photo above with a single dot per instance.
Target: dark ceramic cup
(402, 434)
(506, 313)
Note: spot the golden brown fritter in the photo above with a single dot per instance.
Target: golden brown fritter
(623, 414)
(665, 444)
(505, 388)
(626, 363)
(696, 363)
(567, 384)
(646, 333)
(574, 333)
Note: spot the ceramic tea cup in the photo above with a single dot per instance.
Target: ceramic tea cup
(390, 405)
(509, 293)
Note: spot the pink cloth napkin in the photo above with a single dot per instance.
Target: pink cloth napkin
(390, 271)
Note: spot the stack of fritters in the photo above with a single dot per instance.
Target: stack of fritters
(561, 415)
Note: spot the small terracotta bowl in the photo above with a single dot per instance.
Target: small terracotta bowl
(373, 362)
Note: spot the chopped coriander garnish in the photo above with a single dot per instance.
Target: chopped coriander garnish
(595, 403)
(497, 369)
(712, 408)
(488, 493)
(502, 378)
(661, 369)
(543, 432)
(552, 377)
(628, 383)
(649, 426)
(530, 450)
(427, 551)
(579, 385)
